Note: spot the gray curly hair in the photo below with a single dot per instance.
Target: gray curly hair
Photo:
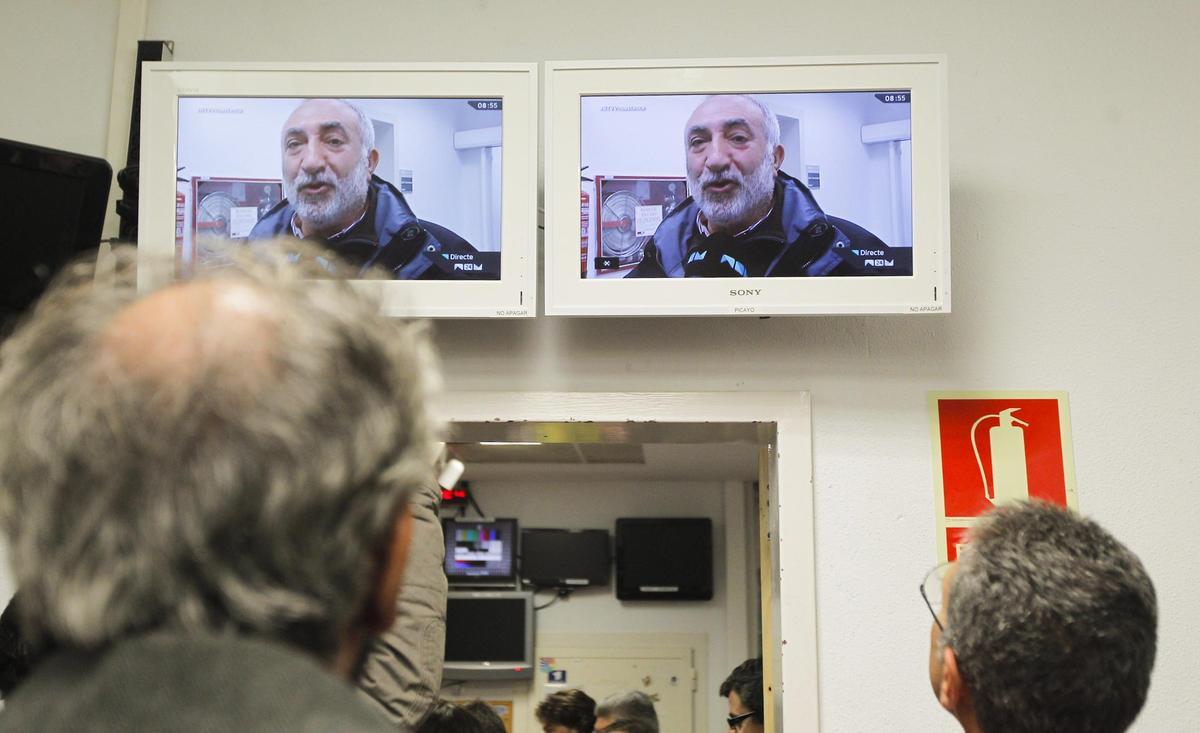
(1053, 623)
(226, 453)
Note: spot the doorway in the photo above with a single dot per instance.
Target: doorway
(579, 461)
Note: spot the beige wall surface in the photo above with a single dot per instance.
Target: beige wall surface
(1073, 189)
(56, 60)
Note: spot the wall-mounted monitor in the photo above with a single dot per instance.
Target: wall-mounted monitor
(481, 552)
(489, 635)
(565, 558)
(424, 173)
(664, 559)
(747, 186)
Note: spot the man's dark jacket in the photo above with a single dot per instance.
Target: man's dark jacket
(166, 682)
(797, 239)
(390, 236)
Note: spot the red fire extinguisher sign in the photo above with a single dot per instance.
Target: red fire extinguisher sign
(991, 448)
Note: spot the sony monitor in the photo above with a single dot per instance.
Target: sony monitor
(747, 186)
(489, 635)
(418, 178)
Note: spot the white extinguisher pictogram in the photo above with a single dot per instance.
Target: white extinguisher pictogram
(1010, 478)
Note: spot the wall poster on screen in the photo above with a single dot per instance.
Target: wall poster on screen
(423, 175)
(747, 186)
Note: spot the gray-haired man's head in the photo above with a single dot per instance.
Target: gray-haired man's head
(329, 155)
(1050, 625)
(627, 712)
(233, 452)
(733, 153)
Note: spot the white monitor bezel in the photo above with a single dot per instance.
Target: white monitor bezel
(514, 295)
(927, 290)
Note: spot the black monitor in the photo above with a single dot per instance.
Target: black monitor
(489, 635)
(565, 558)
(481, 552)
(52, 206)
(666, 559)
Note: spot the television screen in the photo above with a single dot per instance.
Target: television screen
(701, 166)
(480, 552)
(422, 177)
(52, 204)
(489, 635)
(565, 558)
(747, 186)
(417, 194)
(664, 559)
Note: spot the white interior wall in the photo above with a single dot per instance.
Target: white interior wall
(1072, 196)
(56, 63)
(567, 504)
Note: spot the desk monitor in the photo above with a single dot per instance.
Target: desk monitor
(489, 635)
(52, 204)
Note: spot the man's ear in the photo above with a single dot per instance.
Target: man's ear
(380, 612)
(372, 160)
(952, 693)
(777, 155)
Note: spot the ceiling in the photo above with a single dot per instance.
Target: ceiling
(610, 451)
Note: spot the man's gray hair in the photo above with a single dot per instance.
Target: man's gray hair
(1053, 623)
(770, 120)
(632, 710)
(239, 470)
(366, 130)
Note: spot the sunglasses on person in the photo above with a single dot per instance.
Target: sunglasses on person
(735, 721)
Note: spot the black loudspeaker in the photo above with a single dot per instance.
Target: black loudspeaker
(666, 559)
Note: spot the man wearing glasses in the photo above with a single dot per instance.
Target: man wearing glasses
(1046, 623)
(743, 687)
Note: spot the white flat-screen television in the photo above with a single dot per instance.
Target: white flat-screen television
(424, 173)
(747, 186)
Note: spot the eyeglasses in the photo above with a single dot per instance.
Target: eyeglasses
(931, 591)
(735, 721)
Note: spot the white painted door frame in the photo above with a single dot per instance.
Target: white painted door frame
(791, 649)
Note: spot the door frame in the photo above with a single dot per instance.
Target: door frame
(789, 620)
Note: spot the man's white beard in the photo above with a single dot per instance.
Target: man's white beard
(752, 193)
(320, 213)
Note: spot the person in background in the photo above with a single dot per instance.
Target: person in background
(446, 717)
(1045, 624)
(567, 711)
(486, 715)
(627, 711)
(744, 690)
(205, 488)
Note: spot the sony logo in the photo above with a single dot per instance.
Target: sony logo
(735, 292)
